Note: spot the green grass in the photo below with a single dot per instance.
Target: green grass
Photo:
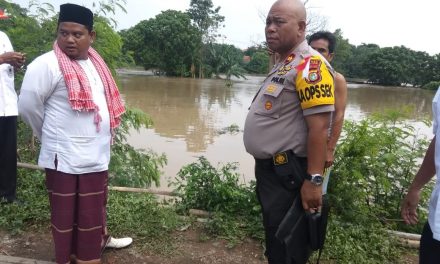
(129, 214)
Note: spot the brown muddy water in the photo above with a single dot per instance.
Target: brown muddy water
(189, 114)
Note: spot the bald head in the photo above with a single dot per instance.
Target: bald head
(285, 26)
(295, 7)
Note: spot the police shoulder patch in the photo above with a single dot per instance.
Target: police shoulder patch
(314, 84)
(313, 71)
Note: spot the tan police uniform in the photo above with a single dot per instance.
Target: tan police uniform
(300, 85)
(275, 121)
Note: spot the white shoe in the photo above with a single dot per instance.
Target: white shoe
(119, 242)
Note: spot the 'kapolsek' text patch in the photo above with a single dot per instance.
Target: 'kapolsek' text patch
(314, 83)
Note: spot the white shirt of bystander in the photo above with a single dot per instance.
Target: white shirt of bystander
(8, 97)
(434, 204)
(70, 136)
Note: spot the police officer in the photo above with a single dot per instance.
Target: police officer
(289, 119)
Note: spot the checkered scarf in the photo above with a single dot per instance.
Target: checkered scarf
(79, 91)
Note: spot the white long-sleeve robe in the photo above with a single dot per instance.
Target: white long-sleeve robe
(70, 136)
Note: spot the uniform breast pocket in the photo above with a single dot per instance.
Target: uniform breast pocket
(269, 103)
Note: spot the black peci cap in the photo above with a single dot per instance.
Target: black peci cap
(77, 14)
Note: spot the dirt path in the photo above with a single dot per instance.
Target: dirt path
(190, 248)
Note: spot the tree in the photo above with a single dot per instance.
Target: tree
(221, 57)
(110, 6)
(422, 69)
(108, 42)
(34, 34)
(133, 44)
(213, 59)
(250, 51)
(207, 20)
(167, 42)
(258, 63)
(436, 67)
(26, 33)
(387, 66)
(315, 22)
(343, 53)
(400, 65)
(355, 64)
(231, 64)
(35, 37)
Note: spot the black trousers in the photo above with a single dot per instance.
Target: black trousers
(275, 199)
(8, 157)
(429, 247)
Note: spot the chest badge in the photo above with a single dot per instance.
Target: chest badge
(284, 70)
(271, 88)
(289, 59)
(268, 105)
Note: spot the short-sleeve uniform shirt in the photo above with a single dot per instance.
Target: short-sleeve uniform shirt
(300, 85)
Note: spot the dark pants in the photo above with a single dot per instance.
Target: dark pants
(8, 157)
(78, 214)
(429, 247)
(275, 198)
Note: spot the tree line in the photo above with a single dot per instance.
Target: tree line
(176, 43)
(184, 44)
(396, 66)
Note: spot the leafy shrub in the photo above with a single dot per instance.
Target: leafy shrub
(142, 216)
(235, 209)
(129, 166)
(432, 85)
(366, 243)
(134, 214)
(34, 210)
(375, 164)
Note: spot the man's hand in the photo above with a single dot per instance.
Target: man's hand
(330, 158)
(16, 59)
(409, 207)
(311, 196)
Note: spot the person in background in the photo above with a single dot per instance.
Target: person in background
(73, 105)
(10, 61)
(429, 251)
(325, 43)
(289, 120)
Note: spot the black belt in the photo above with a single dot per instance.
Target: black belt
(270, 162)
(266, 163)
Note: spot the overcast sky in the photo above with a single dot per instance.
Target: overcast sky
(414, 24)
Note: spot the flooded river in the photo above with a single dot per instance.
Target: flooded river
(189, 113)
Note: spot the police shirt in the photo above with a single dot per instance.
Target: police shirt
(299, 86)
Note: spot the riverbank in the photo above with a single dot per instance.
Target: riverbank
(191, 246)
(134, 71)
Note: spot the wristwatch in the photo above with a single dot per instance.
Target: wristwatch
(315, 179)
